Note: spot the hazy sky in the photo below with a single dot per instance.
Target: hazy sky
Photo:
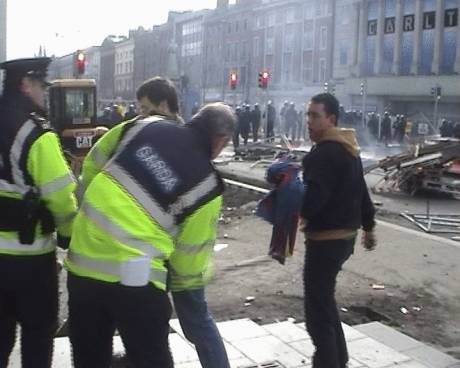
(64, 26)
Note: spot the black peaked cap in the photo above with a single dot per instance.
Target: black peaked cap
(34, 68)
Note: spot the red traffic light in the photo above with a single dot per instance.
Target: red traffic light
(233, 80)
(263, 79)
(80, 62)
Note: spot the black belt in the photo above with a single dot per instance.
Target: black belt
(23, 215)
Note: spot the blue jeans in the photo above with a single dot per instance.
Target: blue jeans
(199, 328)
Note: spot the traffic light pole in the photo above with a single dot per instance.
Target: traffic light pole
(435, 112)
(363, 110)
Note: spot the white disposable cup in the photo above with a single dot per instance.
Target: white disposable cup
(135, 271)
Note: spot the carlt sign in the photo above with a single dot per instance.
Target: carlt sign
(428, 22)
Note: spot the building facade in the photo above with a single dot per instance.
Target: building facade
(3, 33)
(399, 50)
(124, 69)
(290, 39)
(106, 91)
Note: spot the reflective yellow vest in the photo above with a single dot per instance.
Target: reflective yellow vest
(48, 174)
(104, 237)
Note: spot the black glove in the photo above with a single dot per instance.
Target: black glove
(63, 242)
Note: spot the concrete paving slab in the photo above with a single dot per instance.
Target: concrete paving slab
(188, 365)
(355, 364)
(412, 364)
(62, 356)
(269, 348)
(240, 363)
(351, 333)
(431, 357)
(249, 344)
(240, 329)
(388, 336)
(286, 331)
(374, 354)
(181, 350)
(232, 353)
(304, 347)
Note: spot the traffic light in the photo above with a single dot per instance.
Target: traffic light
(263, 79)
(233, 80)
(436, 92)
(363, 89)
(80, 61)
(326, 87)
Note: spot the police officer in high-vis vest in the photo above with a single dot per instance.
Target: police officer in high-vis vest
(146, 183)
(36, 198)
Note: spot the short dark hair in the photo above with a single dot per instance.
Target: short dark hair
(330, 103)
(159, 89)
(214, 120)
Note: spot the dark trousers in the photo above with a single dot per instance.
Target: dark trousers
(28, 296)
(270, 132)
(236, 137)
(255, 132)
(141, 315)
(323, 261)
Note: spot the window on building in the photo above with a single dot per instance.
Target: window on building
(323, 38)
(308, 40)
(259, 21)
(345, 15)
(242, 75)
(234, 52)
(270, 46)
(321, 8)
(290, 15)
(287, 67)
(307, 68)
(256, 50)
(289, 41)
(309, 10)
(343, 55)
(271, 19)
(244, 51)
(322, 70)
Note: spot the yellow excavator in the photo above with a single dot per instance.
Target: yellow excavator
(73, 115)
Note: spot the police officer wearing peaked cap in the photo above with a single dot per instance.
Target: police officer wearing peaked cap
(36, 198)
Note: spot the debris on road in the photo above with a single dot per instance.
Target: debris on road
(433, 165)
(403, 310)
(435, 223)
(378, 286)
(219, 247)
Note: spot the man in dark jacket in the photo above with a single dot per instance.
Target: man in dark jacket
(255, 122)
(270, 114)
(336, 204)
(245, 124)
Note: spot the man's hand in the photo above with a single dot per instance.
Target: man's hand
(369, 240)
(302, 224)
